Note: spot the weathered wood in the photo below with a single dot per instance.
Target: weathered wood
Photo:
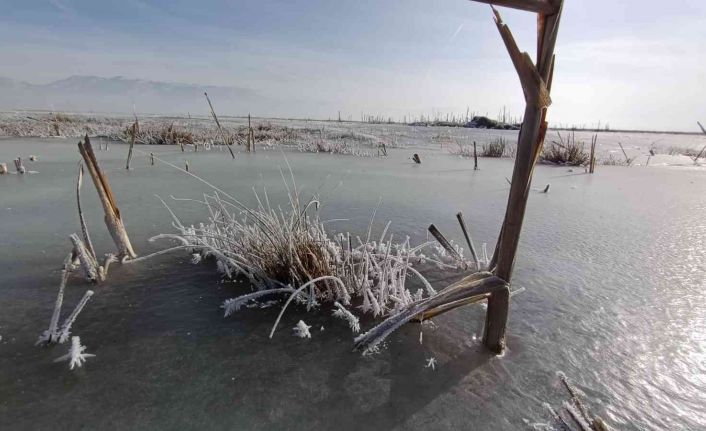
(113, 219)
(496, 320)
(82, 220)
(469, 240)
(592, 161)
(218, 124)
(543, 6)
(429, 314)
(475, 157)
(536, 83)
(475, 285)
(134, 129)
(250, 137)
(628, 160)
(445, 243)
(152, 159)
(88, 262)
(3, 168)
(19, 166)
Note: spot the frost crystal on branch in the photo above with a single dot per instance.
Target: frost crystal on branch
(75, 356)
(344, 314)
(52, 334)
(302, 330)
(66, 327)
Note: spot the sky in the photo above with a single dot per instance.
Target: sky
(633, 64)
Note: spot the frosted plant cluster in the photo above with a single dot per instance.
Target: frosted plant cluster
(290, 253)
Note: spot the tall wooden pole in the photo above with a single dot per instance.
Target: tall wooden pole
(536, 84)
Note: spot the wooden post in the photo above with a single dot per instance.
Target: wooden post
(81, 219)
(19, 166)
(475, 157)
(152, 159)
(536, 84)
(186, 165)
(592, 162)
(113, 220)
(133, 132)
(249, 134)
(218, 124)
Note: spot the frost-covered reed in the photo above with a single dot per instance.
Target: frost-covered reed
(290, 253)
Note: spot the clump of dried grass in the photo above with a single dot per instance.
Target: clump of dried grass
(290, 252)
(498, 147)
(164, 134)
(567, 151)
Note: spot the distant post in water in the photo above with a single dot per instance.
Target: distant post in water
(592, 162)
(19, 166)
(475, 157)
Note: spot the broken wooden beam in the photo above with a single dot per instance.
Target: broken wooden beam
(473, 287)
(538, 6)
(536, 80)
(113, 219)
(218, 124)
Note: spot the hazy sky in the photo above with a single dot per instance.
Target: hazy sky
(631, 63)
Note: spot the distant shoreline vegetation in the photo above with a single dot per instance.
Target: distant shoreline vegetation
(482, 123)
(476, 122)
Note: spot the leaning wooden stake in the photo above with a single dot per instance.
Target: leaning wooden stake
(536, 82)
(703, 150)
(134, 129)
(218, 124)
(113, 220)
(592, 162)
(469, 240)
(82, 220)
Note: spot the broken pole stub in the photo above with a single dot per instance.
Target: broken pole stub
(113, 219)
(536, 80)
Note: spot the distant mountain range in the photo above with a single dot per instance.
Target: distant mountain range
(118, 94)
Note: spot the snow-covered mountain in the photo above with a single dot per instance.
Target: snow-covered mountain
(118, 94)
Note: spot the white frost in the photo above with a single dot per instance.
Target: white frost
(344, 314)
(75, 356)
(302, 330)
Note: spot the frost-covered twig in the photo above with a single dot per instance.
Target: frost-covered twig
(75, 356)
(52, 334)
(346, 315)
(66, 327)
(431, 363)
